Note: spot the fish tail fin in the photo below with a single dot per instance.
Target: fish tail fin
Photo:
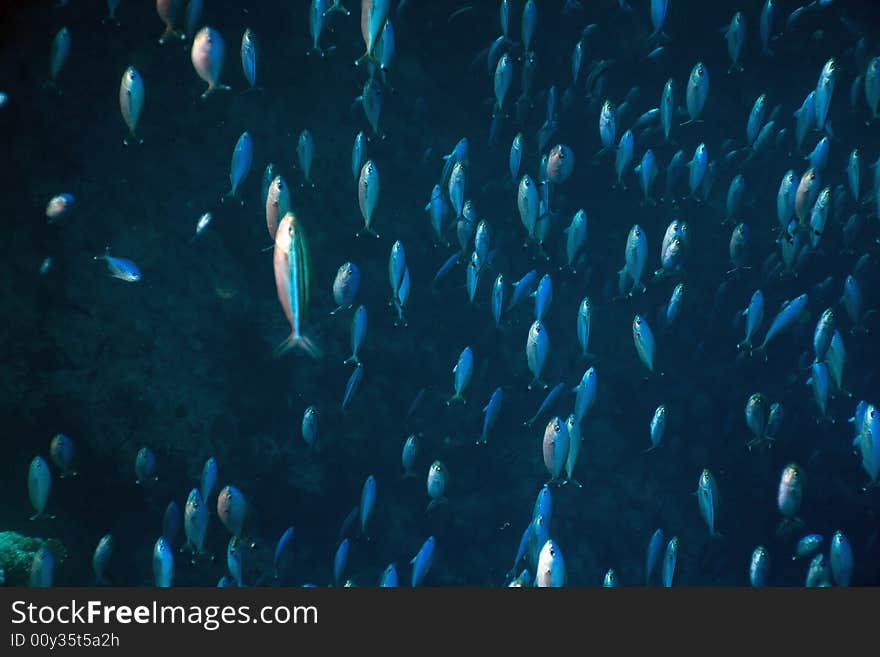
(298, 341)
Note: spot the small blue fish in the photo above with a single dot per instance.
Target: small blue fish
(340, 561)
(352, 385)
(422, 561)
(498, 299)
(42, 568)
(282, 548)
(209, 478)
(101, 556)
(145, 466)
(543, 297)
(345, 286)
(759, 566)
(523, 288)
(653, 555)
(242, 159)
(389, 577)
(549, 400)
(234, 560)
(368, 501)
(447, 266)
(462, 372)
(171, 523)
(121, 268)
(163, 564)
(358, 333)
(585, 393)
(490, 412)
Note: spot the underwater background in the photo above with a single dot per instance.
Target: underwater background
(182, 360)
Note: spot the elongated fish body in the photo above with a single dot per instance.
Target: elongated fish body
(144, 465)
(624, 156)
(652, 555)
(697, 168)
(131, 101)
(543, 297)
(293, 275)
(195, 522)
(502, 80)
(163, 564)
(474, 269)
(529, 23)
(757, 414)
(852, 299)
(208, 478)
(805, 118)
(819, 155)
(234, 560)
(765, 25)
(674, 171)
(548, 402)
(635, 256)
(528, 203)
(577, 59)
(42, 568)
(345, 286)
(192, 17)
(735, 35)
(504, 18)
(667, 107)
(658, 16)
(868, 441)
(735, 194)
(807, 546)
(358, 333)
(523, 287)
(358, 154)
(207, 55)
(498, 299)
(516, 154)
(386, 47)
(584, 325)
(61, 453)
(673, 307)
(483, 241)
(269, 174)
(610, 579)
(282, 550)
(697, 91)
(669, 559)
(402, 298)
(841, 559)
(240, 166)
(754, 315)
(707, 497)
(658, 426)
(461, 373)
(371, 102)
(232, 509)
(854, 173)
(806, 194)
(490, 414)
(537, 348)
(438, 476)
(421, 563)
(824, 91)
(647, 171)
(374, 13)
(818, 574)
(39, 485)
(550, 571)
(59, 53)
(368, 195)
(456, 188)
(340, 560)
(555, 447)
(171, 522)
(408, 454)
(354, 382)
(277, 204)
(574, 448)
(836, 359)
(437, 210)
(607, 124)
(309, 427)
(317, 20)
(101, 557)
(790, 492)
(643, 337)
(774, 420)
(585, 391)
(872, 86)
(756, 119)
(305, 153)
(787, 317)
(389, 577)
(785, 199)
(168, 11)
(819, 216)
(368, 502)
(249, 57)
(822, 334)
(759, 567)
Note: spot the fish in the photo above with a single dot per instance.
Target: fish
(498, 299)
(807, 546)
(759, 567)
(131, 103)
(293, 283)
(669, 559)
(195, 522)
(408, 454)
(207, 54)
(305, 153)
(643, 338)
(789, 495)
(101, 557)
(549, 400)
(371, 102)
(277, 204)
(358, 332)
(550, 571)
(368, 502)
(610, 579)
(310, 425)
(462, 374)
(515, 157)
(529, 23)
(423, 561)
(573, 427)
(345, 286)
(607, 125)
(789, 314)
(707, 496)
(208, 478)
(354, 381)
(368, 196)
(59, 53)
(584, 326)
(61, 453)
(735, 35)
(120, 268)
(240, 166)
(658, 427)
(636, 254)
(282, 549)
(841, 557)
(490, 414)
(555, 448)
(163, 564)
(697, 91)
(249, 59)
(358, 154)
(59, 207)
(624, 156)
(171, 522)
(145, 466)
(436, 484)
(537, 348)
(528, 204)
(234, 560)
(757, 414)
(374, 14)
(39, 486)
(586, 391)
(503, 78)
(232, 509)
(340, 560)
(389, 577)
(655, 545)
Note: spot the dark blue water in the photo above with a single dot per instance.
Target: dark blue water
(181, 361)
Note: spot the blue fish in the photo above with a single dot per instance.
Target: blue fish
(549, 400)
(121, 268)
(282, 548)
(421, 563)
